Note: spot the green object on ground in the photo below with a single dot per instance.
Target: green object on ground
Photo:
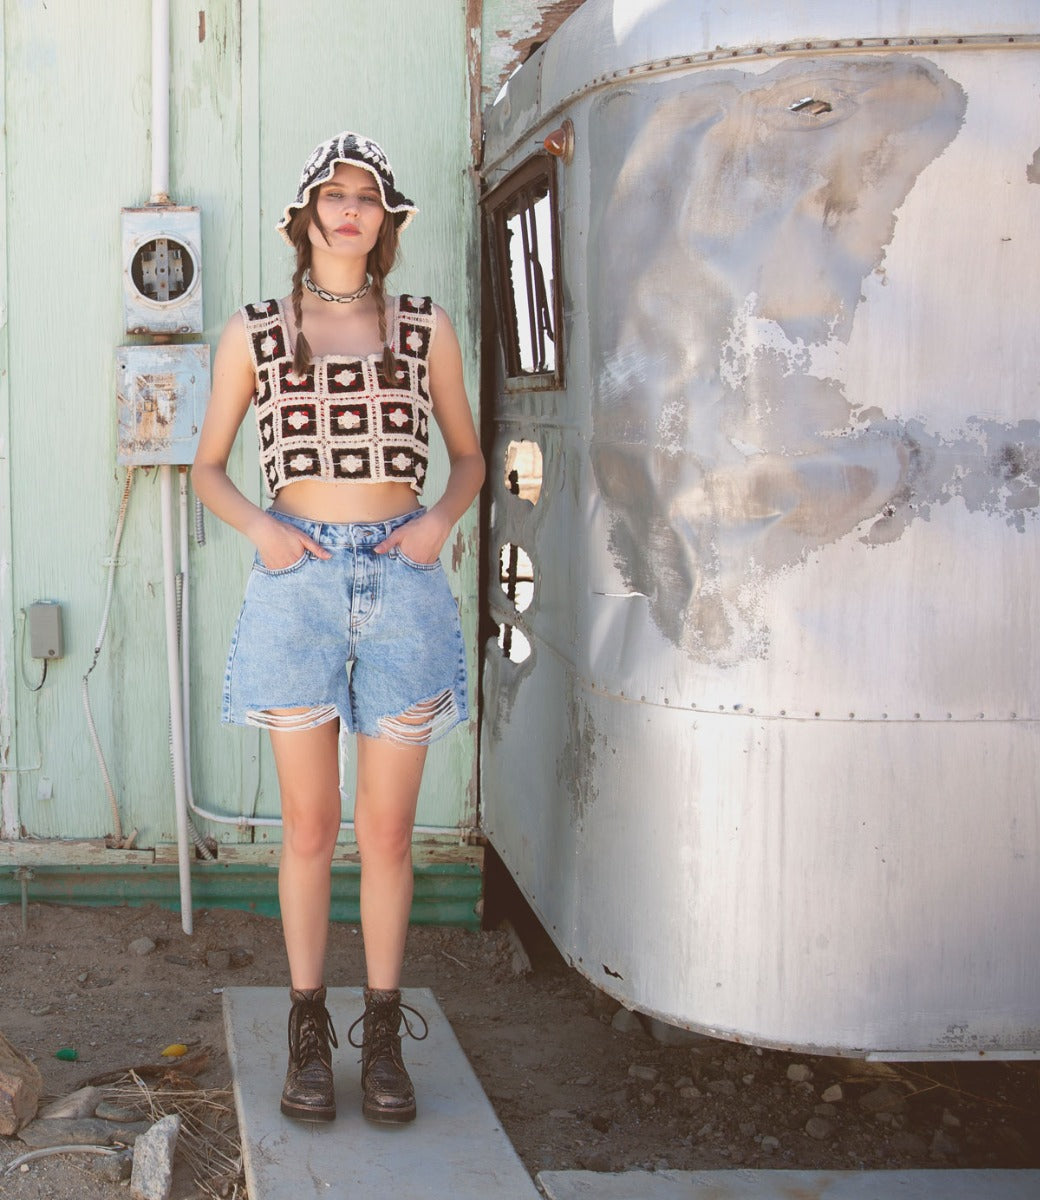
(67, 1054)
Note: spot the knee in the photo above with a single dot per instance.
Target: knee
(384, 837)
(309, 833)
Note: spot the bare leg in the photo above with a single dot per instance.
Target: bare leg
(388, 779)
(308, 777)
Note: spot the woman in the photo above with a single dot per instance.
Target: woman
(347, 617)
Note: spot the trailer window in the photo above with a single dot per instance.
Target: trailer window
(524, 251)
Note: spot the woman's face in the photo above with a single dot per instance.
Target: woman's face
(350, 209)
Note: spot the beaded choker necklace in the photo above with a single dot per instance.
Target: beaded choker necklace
(322, 294)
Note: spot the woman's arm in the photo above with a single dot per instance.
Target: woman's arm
(234, 382)
(423, 539)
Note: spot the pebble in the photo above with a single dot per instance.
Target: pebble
(833, 1094)
(585, 1081)
(943, 1146)
(904, 1142)
(819, 1128)
(949, 1120)
(721, 1087)
(689, 1092)
(625, 1021)
(646, 1074)
(673, 1035)
(799, 1073)
(152, 1174)
(770, 1143)
(883, 1099)
(113, 1168)
(141, 946)
(684, 1081)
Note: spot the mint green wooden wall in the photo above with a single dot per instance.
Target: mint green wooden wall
(249, 99)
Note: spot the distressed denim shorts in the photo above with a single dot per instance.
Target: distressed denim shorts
(373, 639)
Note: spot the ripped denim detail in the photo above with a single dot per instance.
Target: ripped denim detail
(423, 723)
(301, 718)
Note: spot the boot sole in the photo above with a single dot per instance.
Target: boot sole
(302, 1113)
(387, 1116)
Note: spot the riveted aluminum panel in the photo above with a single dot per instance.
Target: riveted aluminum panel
(782, 676)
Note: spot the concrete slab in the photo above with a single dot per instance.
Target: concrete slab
(456, 1148)
(784, 1185)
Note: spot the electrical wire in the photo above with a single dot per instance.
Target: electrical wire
(120, 841)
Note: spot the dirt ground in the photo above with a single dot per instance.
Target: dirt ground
(571, 1089)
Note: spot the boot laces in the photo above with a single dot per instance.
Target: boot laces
(384, 1031)
(310, 1030)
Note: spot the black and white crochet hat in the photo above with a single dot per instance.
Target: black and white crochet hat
(360, 152)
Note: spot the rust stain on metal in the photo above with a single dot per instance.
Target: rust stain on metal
(474, 68)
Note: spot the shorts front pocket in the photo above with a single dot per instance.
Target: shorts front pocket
(258, 565)
(410, 562)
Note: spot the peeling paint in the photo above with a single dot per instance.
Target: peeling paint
(512, 28)
(576, 763)
(458, 549)
(724, 442)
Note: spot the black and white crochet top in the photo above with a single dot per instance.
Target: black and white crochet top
(342, 418)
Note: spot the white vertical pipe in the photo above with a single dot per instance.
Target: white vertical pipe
(160, 102)
(160, 195)
(176, 711)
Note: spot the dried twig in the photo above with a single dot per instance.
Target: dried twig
(462, 964)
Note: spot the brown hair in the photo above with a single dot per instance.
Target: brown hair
(381, 259)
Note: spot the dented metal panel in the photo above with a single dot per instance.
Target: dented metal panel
(782, 669)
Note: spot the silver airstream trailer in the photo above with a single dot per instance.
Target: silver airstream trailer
(760, 742)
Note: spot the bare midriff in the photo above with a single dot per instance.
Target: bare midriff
(345, 500)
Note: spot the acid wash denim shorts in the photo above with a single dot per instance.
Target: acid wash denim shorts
(373, 639)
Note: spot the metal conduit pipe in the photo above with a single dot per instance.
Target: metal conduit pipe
(183, 628)
(176, 713)
(160, 195)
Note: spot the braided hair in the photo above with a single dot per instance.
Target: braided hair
(380, 263)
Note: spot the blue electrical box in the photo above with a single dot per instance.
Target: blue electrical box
(162, 392)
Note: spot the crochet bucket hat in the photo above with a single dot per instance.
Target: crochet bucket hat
(360, 152)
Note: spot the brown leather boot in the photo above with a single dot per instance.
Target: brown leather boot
(388, 1092)
(309, 1094)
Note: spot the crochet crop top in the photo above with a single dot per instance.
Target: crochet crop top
(343, 419)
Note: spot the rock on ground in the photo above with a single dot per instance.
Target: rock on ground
(20, 1087)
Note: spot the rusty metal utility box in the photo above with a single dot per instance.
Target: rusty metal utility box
(162, 393)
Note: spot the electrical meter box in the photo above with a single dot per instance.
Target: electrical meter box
(162, 392)
(162, 275)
